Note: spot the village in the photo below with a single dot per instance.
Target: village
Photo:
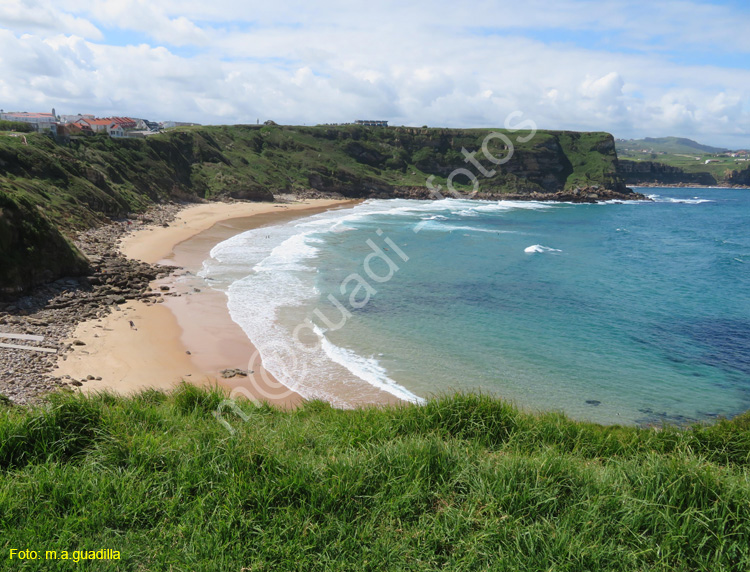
(66, 126)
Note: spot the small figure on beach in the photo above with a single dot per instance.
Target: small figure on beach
(132, 326)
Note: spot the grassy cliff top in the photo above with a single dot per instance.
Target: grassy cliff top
(685, 154)
(88, 180)
(464, 483)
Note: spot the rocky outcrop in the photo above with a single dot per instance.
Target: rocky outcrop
(53, 189)
(741, 178)
(577, 195)
(53, 310)
(32, 249)
(653, 173)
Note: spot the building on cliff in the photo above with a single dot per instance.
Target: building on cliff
(372, 122)
(41, 121)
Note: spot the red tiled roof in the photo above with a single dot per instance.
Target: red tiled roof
(123, 121)
(106, 122)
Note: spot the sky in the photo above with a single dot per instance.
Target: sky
(633, 68)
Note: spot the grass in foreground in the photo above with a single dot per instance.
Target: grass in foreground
(464, 483)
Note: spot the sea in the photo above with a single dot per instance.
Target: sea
(622, 312)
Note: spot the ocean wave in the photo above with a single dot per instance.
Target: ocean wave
(268, 276)
(498, 206)
(364, 368)
(693, 201)
(538, 248)
(452, 227)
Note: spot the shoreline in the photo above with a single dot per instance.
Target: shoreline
(687, 186)
(187, 333)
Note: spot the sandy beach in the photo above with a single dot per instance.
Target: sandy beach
(189, 335)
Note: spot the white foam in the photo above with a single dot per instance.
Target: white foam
(538, 248)
(365, 368)
(693, 201)
(452, 227)
(500, 206)
(269, 269)
(269, 275)
(690, 201)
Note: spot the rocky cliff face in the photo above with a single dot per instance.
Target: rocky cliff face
(740, 178)
(32, 249)
(655, 173)
(403, 158)
(52, 189)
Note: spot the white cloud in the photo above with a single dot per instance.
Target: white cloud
(613, 66)
(148, 17)
(38, 16)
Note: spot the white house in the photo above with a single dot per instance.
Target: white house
(42, 121)
(115, 130)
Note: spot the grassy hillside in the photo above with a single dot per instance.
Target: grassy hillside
(463, 483)
(32, 249)
(670, 145)
(684, 161)
(359, 161)
(88, 180)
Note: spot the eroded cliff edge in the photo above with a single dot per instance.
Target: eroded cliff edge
(50, 189)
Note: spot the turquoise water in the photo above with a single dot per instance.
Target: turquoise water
(622, 312)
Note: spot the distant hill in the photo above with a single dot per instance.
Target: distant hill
(671, 145)
(680, 161)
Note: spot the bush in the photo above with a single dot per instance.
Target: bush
(20, 126)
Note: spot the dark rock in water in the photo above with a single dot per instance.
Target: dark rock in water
(593, 402)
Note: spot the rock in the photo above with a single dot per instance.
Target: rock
(55, 309)
(593, 402)
(76, 383)
(230, 373)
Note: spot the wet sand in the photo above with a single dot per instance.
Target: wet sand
(190, 336)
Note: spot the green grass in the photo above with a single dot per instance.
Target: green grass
(683, 154)
(466, 482)
(670, 145)
(93, 179)
(719, 170)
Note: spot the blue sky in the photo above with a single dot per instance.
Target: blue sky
(637, 68)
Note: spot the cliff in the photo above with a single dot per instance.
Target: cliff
(741, 178)
(32, 250)
(646, 172)
(658, 173)
(50, 190)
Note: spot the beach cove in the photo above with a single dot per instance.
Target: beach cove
(188, 335)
